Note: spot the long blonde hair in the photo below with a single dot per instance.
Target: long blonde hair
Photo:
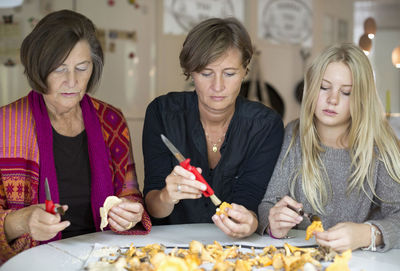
(369, 134)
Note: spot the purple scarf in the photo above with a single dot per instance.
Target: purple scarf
(101, 180)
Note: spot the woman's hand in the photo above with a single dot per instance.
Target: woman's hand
(179, 184)
(40, 225)
(239, 223)
(343, 236)
(182, 184)
(282, 218)
(125, 215)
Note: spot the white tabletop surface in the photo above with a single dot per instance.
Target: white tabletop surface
(73, 253)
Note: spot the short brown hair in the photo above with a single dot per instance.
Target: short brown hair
(210, 39)
(50, 43)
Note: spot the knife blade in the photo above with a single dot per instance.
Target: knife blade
(312, 217)
(50, 207)
(185, 163)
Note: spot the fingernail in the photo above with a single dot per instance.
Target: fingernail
(193, 177)
(299, 219)
(203, 187)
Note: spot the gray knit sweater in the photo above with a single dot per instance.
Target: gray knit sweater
(341, 208)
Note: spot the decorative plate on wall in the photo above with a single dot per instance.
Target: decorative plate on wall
(285, 21)
(182, 15)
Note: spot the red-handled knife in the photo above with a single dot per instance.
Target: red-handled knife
(50, 207)
(185, 163)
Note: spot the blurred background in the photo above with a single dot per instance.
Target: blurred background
(142, 40)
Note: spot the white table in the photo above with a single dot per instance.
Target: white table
(72, 253)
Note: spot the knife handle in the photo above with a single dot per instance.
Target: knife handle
(50, 207)
(186, 165)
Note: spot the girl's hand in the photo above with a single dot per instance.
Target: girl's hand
(343, 236)
(282, 218)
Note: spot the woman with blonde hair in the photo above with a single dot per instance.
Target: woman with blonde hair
(340, 160)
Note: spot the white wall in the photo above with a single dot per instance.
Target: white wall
(157, 70)
(128, 84)
(281, 64)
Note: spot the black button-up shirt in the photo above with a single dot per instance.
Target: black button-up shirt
(248, 154)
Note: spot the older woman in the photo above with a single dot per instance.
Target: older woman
(235, 142)
(58, 132)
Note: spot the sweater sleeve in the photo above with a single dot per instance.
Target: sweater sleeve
(388, 215)
(278, 185)
(8, 250)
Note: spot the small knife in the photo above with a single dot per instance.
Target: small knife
(310, 216)
(185, 163)
(50, 207)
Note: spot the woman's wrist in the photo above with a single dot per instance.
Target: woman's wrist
(156, 205)
(254, 223)
(165, 198)
(15, 225)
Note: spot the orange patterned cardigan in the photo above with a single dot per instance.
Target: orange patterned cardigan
(20, 158)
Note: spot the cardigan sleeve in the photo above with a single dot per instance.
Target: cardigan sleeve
(122, 165)
(10, 249)
(130, 190)
(17, 172)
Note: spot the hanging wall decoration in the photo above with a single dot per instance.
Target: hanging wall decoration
(285, 21)
(101, 36)
(114, 35)
(46, 6)
(134, 3)
(257, 89)
(10, 39)
(33, 22)
(182, 15)
(299, 88)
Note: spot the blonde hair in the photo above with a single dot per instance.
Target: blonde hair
(369, 134)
